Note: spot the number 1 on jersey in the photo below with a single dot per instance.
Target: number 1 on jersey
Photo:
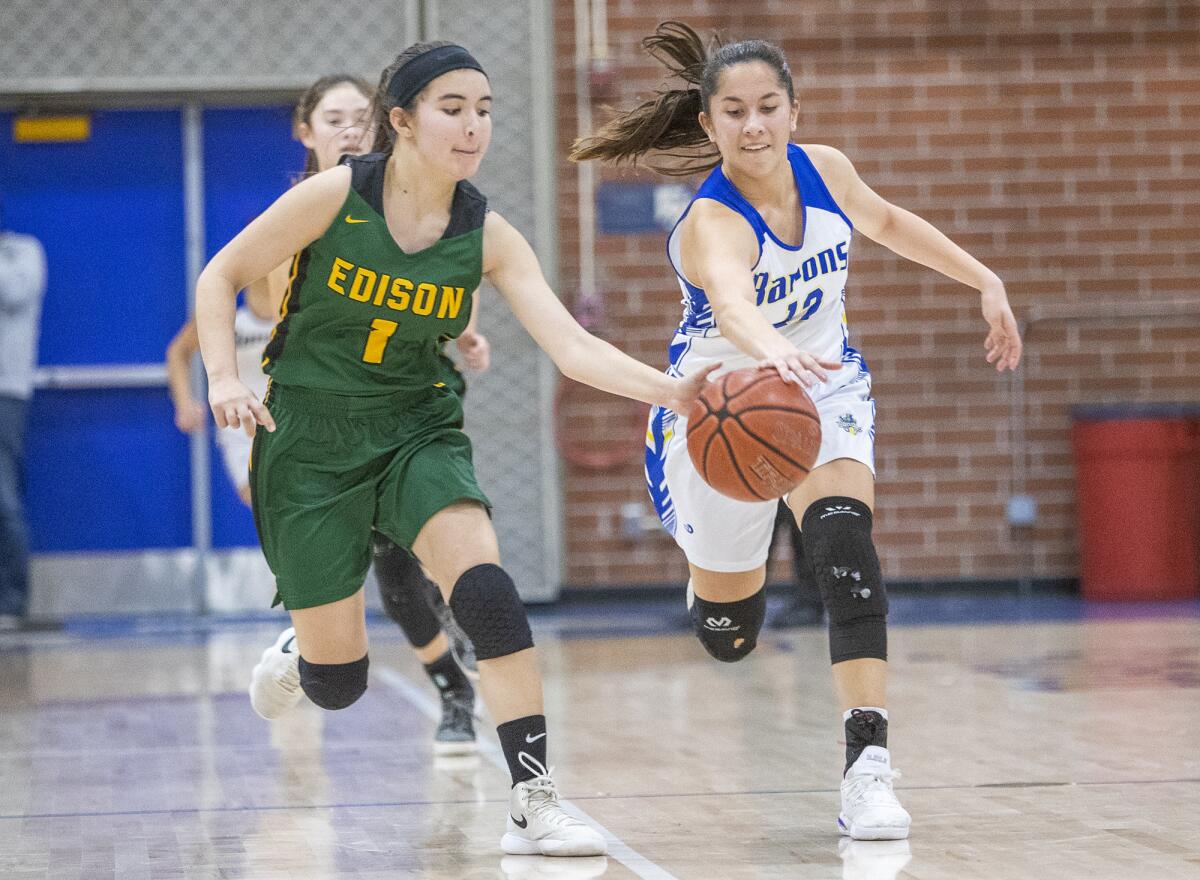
(381, 332)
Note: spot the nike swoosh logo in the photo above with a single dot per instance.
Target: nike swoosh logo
(286, 649)
(520, 823)
(533, 739)
(350, 219)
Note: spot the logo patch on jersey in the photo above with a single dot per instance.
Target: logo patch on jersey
(847, 423)
(350, 219)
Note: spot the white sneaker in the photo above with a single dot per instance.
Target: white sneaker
(873, 859)
(275, 682)
(870, 810)
(537, 824)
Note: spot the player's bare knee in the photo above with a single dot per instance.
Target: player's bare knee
(727, 630)
(334, 685)
(837, 541)
(488, 609)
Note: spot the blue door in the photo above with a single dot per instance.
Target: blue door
(107, 469)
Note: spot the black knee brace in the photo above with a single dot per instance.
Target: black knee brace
(727, 630)
(486, 605)
(405, 591)
(838, 545)
(334, 685)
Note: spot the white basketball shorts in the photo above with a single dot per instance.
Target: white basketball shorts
(235, 449)
(719, 533)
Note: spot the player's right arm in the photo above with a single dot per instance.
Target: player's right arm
(297, 218)
(719, 250)
(511, 265)
(189, 413)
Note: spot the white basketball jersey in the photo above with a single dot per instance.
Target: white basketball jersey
(251, 334)
(801, 289)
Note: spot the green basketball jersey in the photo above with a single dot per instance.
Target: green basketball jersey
(361, 316)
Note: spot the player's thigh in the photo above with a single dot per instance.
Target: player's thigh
(332, 633)
(454, 540)
(726, 586)
(843, 476)
(430, 501)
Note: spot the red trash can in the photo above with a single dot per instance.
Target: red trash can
(1138, 501)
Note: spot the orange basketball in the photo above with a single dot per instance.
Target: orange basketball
(753, 436)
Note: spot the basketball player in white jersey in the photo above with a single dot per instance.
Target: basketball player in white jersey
(329, 121)
(761, 255)
(254, 321)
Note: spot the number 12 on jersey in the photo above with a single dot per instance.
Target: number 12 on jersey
(381, 332)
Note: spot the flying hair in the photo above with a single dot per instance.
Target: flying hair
(664, 133)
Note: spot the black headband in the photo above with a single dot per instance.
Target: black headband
(407, 82)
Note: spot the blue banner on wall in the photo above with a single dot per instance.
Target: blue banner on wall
(628, 208)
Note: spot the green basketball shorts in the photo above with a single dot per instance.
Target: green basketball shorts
(451, 376)
(337, 467)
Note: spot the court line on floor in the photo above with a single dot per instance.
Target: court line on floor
(617, 848)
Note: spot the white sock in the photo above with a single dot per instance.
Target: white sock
(846, 715)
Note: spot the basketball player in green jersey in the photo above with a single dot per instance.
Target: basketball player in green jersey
(358, 432)
(330, 121)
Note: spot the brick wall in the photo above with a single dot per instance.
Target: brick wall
(1059, 142)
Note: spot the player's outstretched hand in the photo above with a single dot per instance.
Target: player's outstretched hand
(1003, 343)
(235, 406)
(476, 351)
(801, 368)
(688, 389)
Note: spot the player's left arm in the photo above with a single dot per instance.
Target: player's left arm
(265, 296)
(511, 265)
(906, 234)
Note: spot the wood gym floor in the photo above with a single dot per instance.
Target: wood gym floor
(1039, 738)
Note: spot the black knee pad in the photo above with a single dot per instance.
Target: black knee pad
(838, 545)
(727, 630)
(405, 592)
(486, 605)
(334, 685)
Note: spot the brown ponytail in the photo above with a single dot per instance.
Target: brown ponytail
(668, 125)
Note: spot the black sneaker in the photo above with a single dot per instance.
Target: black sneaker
(456, 732)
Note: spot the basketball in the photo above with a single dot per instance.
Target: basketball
(753, 436)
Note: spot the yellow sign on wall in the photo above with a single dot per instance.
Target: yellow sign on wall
(51, 129)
